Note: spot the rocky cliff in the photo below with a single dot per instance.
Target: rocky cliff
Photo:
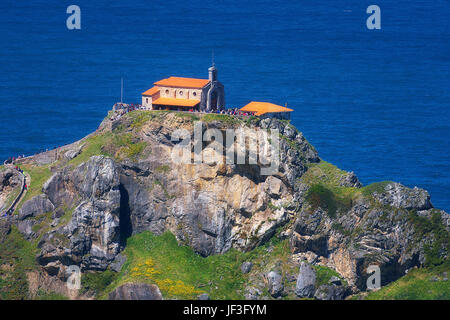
(119, 181)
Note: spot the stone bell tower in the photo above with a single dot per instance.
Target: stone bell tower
(214, 92)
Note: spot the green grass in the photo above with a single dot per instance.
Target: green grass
(319, 195)
(377, 187)
(252, 120)
(416, 285)
(324, 274)
(46, 295)
(18, 254)
(118, 145)
(325, 190)
(224, 118)
(39, 175)
(436, 252)
(97, 282)
(140, 117)
(15, 249)
(327, 174)
(187, 115)
(93, 146)
(180, 273)
(178, 270)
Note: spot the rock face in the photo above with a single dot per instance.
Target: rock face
(91, 239)
(399, 196)
(350, 180)
(73, 152)
(329, 292)
(275, 284)
(210, 207)
(9, 178)
(86, 212)
(5, 228)
(306, 281)
(380, 233)
(246, 267)
(36, 206)
(136, 291)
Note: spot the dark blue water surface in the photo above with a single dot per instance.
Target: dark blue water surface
(375, 102)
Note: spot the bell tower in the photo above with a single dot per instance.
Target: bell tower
(212, 73)
(214, 93)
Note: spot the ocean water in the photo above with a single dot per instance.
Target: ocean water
(375, 102)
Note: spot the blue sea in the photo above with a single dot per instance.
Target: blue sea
(376, 102)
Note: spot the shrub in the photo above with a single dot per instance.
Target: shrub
(320, 196)
(377, 187)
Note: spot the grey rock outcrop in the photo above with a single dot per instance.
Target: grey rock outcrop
(118, 262)
(350, 180)
(335, 280)
(203, 296)
(91, 239)
(399, 196)
(246, 267)
(252, 293)
(275, 284)
(329, 292)
(26, 228)
(136, 291)
(306, 281)
(36, 206)
(73, 152)
(9, 178)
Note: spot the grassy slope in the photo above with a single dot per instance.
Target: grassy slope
(418, 284)
(327, 176)
(39, 175)
(180, 273)
(16, 258)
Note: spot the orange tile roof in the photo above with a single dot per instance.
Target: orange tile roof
(151, 91)
(183, 82)
(176, 102)
(264, 107)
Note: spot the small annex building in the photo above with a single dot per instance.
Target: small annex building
(267, 110)
(184, 94)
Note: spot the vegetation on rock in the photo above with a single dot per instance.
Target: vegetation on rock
(211, 219)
